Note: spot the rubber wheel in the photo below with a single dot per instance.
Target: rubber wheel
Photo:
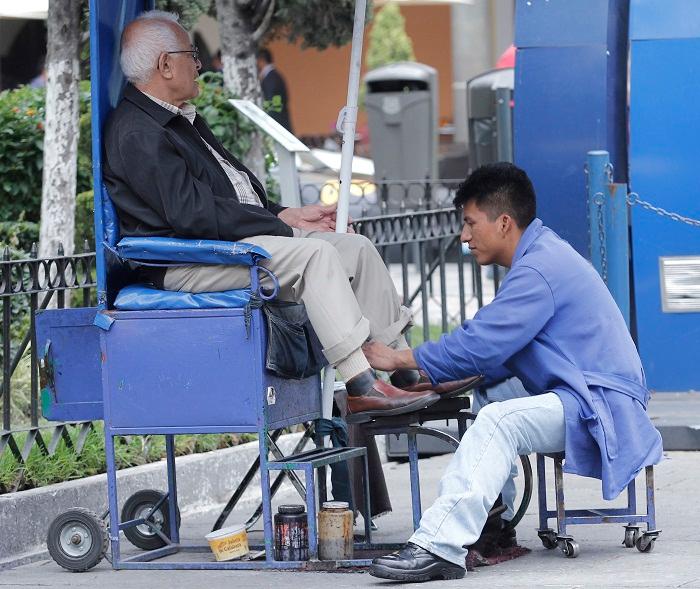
(630, 538)
(549, 541)
(138, 506)
(644, 544)
(570, 549)
(77, 539)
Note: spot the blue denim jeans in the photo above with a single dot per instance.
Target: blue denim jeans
(510, 388)
(482, 465)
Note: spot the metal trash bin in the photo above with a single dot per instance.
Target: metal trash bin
(402, 107)
(490, 120)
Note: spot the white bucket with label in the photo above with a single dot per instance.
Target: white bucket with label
(229, 543)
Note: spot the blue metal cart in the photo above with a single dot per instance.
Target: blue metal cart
(163, 363)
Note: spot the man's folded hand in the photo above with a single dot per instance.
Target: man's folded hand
(311, 217)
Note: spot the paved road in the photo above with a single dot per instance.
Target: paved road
(603, 563)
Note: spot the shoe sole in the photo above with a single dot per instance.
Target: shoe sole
(365, 416)
(434, 572)
(456, 392)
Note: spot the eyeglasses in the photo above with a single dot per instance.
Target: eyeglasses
(194, 52)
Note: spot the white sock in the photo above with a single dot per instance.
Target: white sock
(353, 365)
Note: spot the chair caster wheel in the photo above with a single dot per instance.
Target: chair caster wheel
(631, 536)
(548, 538)
(568, 546)
(645, 542)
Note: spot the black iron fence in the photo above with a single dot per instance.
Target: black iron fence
(26, 286)
(421, 248)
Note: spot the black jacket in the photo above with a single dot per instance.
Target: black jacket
(165, 182)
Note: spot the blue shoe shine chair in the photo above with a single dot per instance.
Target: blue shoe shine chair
(156, 362)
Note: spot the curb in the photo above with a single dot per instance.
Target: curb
(204, 480)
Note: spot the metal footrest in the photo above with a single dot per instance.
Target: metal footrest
(316, 458)
(443, 409)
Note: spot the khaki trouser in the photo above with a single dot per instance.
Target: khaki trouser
(341, 279)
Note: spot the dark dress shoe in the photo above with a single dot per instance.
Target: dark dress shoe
(413, 564)
(405, 377)
(370, 397)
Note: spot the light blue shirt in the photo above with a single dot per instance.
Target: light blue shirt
(554, 325)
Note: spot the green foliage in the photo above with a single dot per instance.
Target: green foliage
(229, 127)
(188, 10)
(388, 41)
(317, 23)
(21, 161)
(19, 236)
(21, 147)
(20, 398)
(84, 220)
(84, 180)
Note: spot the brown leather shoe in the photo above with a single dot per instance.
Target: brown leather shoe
(370, 397)
(448, 389)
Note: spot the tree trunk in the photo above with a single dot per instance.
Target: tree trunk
(61, 128)
(238, 50)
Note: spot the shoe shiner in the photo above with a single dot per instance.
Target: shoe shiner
(554, 325)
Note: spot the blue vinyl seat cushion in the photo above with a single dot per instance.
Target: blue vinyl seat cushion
(174, 251)
(143, 297)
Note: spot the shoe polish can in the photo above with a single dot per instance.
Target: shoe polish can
(335, 531)
(291, 533)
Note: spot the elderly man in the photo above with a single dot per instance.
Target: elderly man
(169, 176)
(554, 325)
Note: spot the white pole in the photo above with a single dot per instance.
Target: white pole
(347, 121)
(348, 116)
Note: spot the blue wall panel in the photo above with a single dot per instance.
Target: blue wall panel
(664, 19)
(558, 118)
(664, 158)
(561, 23)
(569, 99)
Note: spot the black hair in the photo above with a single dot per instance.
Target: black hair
(265, 55)
(500, 188)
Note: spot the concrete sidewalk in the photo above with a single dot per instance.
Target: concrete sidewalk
(604, 562)
(677, 417)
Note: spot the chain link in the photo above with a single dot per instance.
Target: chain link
(633, 199)
(598, 201)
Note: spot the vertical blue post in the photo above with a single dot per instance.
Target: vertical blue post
(597, 164)
(542, 492)
(609, 229)
(415, 480)
(172, 488)
(266, 496)
(617, 244)
(311, 511)
(651, 503)
(559, 492)
(112, 497)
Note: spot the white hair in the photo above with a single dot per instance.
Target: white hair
(140, 52)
